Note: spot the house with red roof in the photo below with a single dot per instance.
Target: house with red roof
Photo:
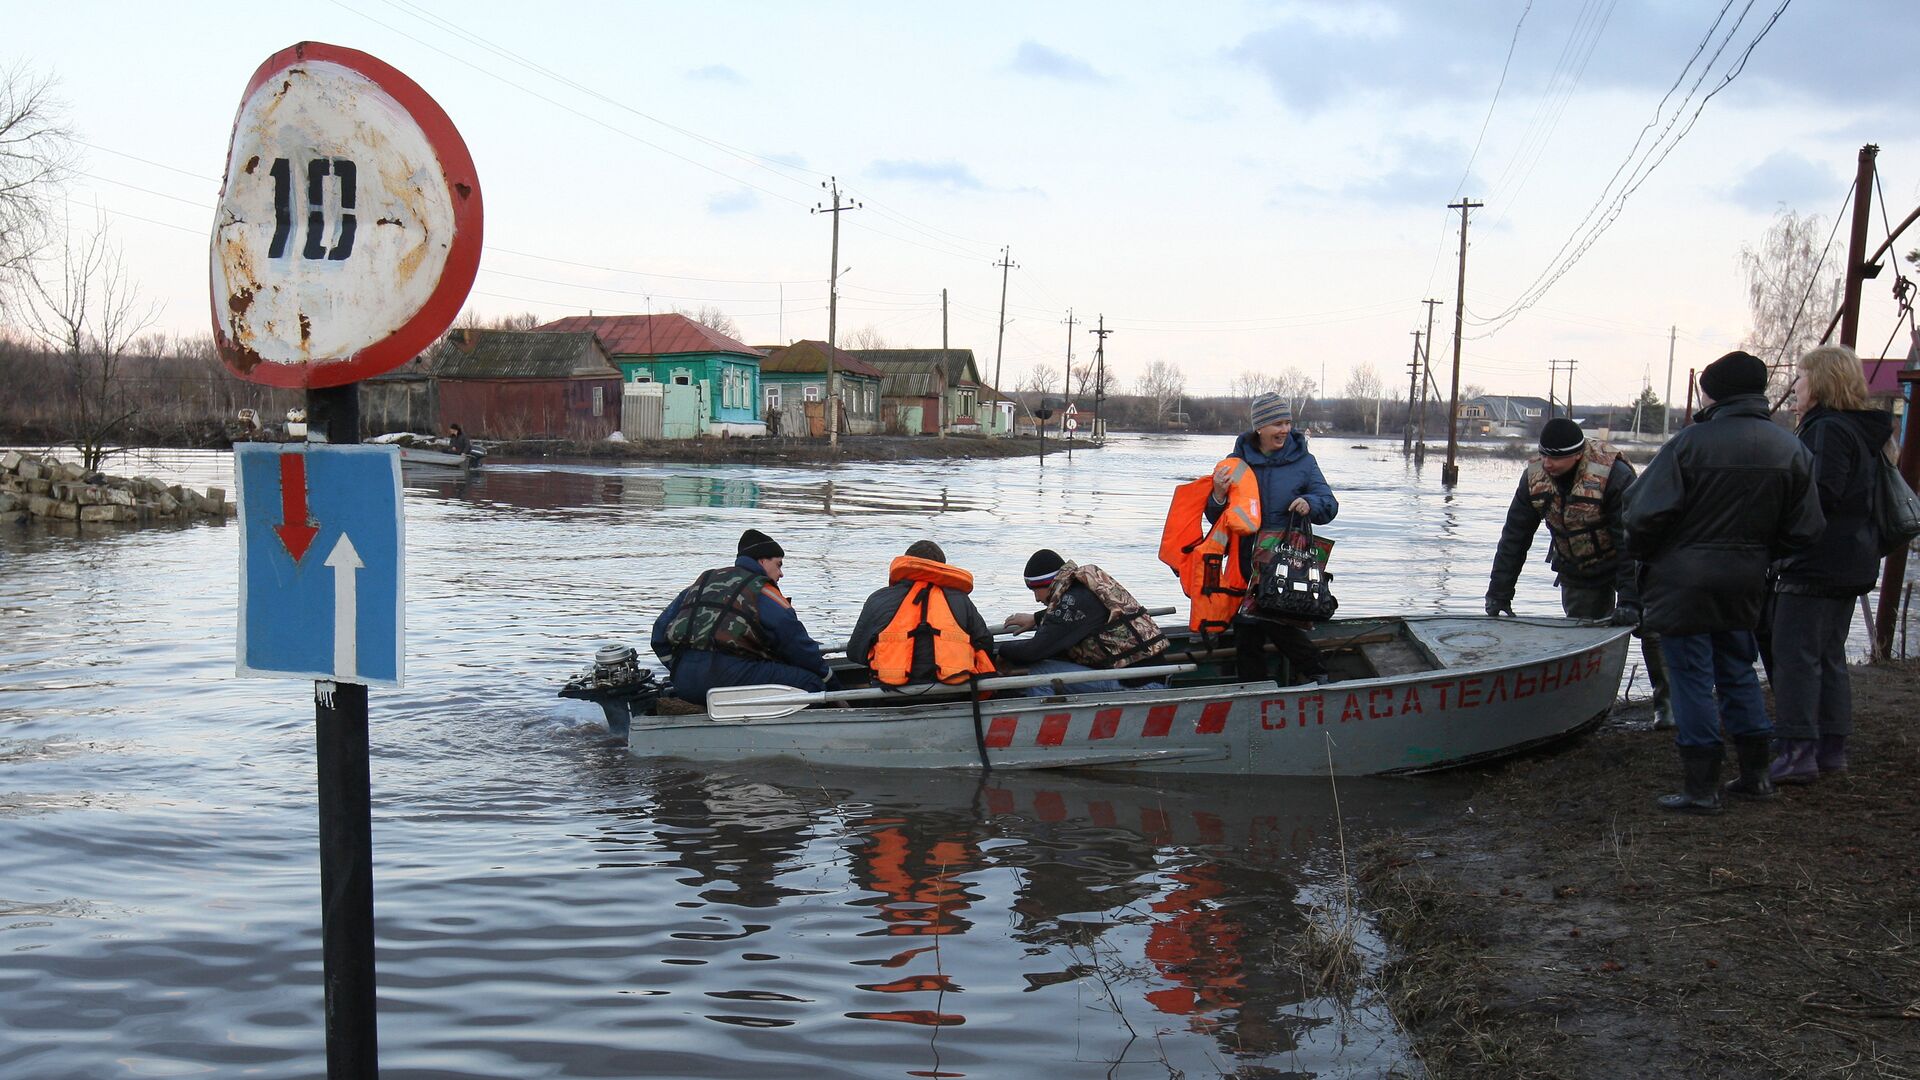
(793, 380)
(678, 351)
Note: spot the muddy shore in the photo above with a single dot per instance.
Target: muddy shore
(782, 451)
(1565, 926)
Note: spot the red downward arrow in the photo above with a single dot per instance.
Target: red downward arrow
(296, 532)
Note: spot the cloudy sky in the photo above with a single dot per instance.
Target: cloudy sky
(1235, 186)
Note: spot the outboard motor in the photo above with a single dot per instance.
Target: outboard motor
(618, 684)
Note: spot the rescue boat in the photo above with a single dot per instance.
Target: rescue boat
(1408, 694)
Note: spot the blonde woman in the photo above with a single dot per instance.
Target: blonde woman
(1817, 587)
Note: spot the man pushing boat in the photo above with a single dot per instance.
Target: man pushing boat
(733, 627)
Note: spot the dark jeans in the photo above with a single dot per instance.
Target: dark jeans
(1812, 695)
(1250, 638)
(695, 673)
(1597, 602)
(1714, 686)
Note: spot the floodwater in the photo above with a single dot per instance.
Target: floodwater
(549, 906)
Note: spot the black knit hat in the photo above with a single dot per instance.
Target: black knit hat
(1734, 374)
(755, 544)
(1042, 566)
(1561, 437)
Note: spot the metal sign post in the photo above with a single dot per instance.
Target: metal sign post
(347, 236)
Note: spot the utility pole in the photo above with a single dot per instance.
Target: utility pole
(833, 308)
(1858, 269)
(1666, 403)
(1413, 385)
(943, 320)
(1571, 364)
(1450, 474)
(1426, 364)
(1066, 392)
(1100, 377)
(1005, 264)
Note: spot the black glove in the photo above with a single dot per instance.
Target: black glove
(1499, 606)
(1625, 615)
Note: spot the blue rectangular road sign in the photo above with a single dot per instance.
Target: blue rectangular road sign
(322, 562)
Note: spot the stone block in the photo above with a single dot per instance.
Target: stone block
(218, 497)
(28, 470)
(89, 495)
(40, 505)
(64, 511)
(119, 496)
(11, 460)
(100, 512)
(9, 502)
(39, 487)
(231, 510)
(166, 505)
(67, 470)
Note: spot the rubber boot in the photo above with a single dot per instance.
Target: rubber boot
(1796, 763)
(1754, 752)
(1831, 754)
(1700, 770)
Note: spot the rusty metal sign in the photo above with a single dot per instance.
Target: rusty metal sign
(349, 226)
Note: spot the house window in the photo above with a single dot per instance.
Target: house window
(811, 392)
(599, 401)
(1531, 412)
(643, 376)
(773, 398)
(682, 379)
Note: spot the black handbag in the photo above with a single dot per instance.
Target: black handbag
(1291, 579)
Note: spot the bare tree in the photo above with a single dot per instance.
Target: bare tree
(1040, 380)
(80, 303)
(1251, 384)
(713, 318)
(1294, 385)
(1363, 395)
(1162, 384)
(1090, 382)
(1469, 391)
(1794, 280)
(867, 337)
(36, 156)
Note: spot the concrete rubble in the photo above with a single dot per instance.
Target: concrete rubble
(44, 487)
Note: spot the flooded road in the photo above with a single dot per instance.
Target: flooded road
(548, 905)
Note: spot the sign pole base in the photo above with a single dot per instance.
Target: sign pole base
(346, 879)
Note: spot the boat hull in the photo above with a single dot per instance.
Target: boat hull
(1499, 686)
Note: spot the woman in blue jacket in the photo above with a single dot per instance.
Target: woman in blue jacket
(1290, 486)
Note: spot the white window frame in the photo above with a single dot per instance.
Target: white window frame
(772, 396)
(810, 392)
(599, 401)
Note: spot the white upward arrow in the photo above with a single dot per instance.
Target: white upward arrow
(346, 608)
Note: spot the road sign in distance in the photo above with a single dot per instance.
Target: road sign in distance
(1072, 424)
(349, 224)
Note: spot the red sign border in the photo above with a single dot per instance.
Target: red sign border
(463, 255)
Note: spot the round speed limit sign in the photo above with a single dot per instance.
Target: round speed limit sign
(349, 225)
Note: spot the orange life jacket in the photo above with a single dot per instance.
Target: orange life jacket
(924, 612)
(1207, 560)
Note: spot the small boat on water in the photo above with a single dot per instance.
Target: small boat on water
(432, 450)
(1408, 694)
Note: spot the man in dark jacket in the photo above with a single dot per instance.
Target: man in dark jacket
(924, 562)
(732, 627)
(1575, 486)
(1723, 499)
(1080, 629)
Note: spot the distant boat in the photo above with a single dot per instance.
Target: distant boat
(1410, 694)
(432, 450)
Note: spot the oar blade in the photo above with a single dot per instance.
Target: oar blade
(759, 701)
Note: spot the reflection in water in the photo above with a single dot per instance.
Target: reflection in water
(1136, 910)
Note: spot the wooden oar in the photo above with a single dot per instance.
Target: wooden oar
(769, 701)
(1004, 631)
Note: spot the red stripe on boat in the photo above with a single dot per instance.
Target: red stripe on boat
(1050, 806)
(1000, 733)
(1213, 719)
(1106, 723)
(1159, 721)
(1053, 729)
